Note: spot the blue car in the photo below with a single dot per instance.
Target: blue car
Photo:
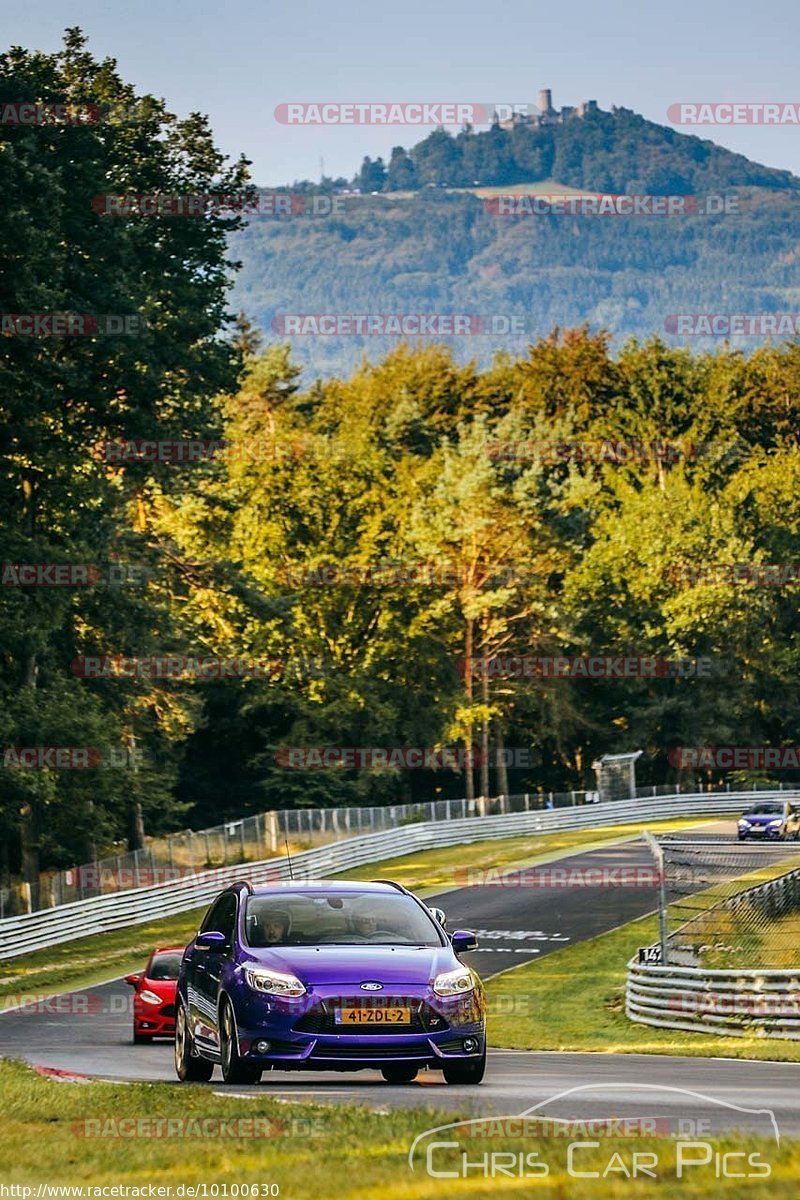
(770, 820)
(328, 976)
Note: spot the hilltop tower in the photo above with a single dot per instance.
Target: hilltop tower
(545, 102)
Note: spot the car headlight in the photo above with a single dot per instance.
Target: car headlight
(776, 821)
(454, 983)
(150, 997)
(744, 822)
(273, 983)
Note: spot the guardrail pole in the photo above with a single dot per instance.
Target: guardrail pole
(658, 855)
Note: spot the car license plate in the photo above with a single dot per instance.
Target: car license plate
(373, 1016)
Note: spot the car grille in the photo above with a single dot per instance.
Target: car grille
(322, 1017)
(167, 1010)
(412, 1050)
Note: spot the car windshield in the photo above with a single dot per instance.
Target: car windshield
(774, 809)
(338, 919)
(165, 966)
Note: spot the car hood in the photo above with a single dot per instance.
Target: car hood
(762, 818)
(353, 965)
(162, 987)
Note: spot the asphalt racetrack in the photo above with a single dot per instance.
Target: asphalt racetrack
(532, 914)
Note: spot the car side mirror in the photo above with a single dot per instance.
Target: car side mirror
(134, 980)
(463, 940)
(439, 916)
(211, 940)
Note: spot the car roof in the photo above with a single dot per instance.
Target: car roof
(378, 886)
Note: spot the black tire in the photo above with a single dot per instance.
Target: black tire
(399, 1074)
(233, 1069)
(465, 1070)
(188, 1067)
(142, 1039)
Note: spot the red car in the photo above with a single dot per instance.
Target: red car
(154, 995)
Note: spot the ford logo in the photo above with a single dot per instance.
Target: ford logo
(372, 987)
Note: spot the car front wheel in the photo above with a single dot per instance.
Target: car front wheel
(233, 1069)
(188, 1067)
(465, 1071)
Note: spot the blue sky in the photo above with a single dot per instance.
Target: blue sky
(238, 59)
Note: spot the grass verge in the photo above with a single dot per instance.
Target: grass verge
(105, 1135)
(89, 961)
(539, 1007)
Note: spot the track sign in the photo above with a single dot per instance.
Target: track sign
(650, 955)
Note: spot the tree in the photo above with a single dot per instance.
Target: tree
(66, 398)
(372, 176)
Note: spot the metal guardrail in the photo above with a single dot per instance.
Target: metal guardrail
(732, 1002)
(248, 839)
(48, 927)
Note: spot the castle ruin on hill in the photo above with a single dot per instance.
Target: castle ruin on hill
(547, 115)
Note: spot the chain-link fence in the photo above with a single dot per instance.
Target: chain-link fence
(250, 840)
(730, 904)
(253, 838)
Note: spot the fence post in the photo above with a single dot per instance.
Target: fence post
(658, 855)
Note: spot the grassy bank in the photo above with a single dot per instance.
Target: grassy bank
(102, 1135)
(539, 1007)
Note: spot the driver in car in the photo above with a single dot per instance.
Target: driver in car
(365, 924)
(272, 927)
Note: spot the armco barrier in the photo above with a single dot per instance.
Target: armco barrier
(731, 1002)
(49, 927)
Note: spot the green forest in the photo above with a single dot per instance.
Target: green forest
(263, 549)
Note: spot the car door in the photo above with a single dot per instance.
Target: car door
(210, 964)
(200, 990)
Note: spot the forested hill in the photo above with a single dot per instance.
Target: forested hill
(603, 151)
(434, 249)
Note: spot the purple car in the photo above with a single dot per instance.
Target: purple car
(328, 976)
(771, 820)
